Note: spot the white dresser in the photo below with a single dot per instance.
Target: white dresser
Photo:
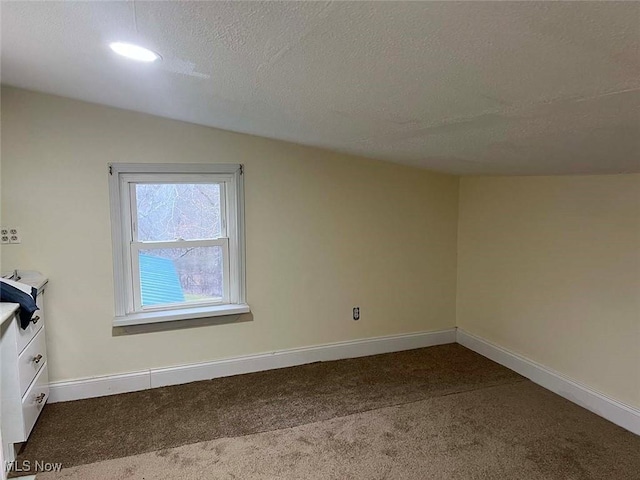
(23, 362)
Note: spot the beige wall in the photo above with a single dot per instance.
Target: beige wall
(549, 267)
(325, 232)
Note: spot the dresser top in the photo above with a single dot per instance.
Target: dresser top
(29, 277)
(6, 311)
(33, 278)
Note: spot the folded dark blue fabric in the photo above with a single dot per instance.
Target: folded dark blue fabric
(25, 295)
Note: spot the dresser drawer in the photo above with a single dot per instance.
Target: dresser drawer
(25, 336)
(34, 400)
(31, 360)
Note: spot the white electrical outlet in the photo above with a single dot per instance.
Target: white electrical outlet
(4, 235)
(14, 235)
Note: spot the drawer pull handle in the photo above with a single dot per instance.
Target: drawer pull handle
(40, 398)
(37, 358)
(35, 319)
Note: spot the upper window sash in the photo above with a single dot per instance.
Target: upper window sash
(128, 184)
(133, 211)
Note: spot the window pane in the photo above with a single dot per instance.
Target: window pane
(172, 211)
(177, 275)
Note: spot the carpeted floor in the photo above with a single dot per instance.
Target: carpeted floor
(439, 412)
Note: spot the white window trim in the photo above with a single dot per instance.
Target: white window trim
(120, 204)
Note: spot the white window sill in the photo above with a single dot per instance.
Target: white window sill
(179, 314)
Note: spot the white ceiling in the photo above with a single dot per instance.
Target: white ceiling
(468, 88)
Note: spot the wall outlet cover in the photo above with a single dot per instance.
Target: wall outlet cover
(10, 235)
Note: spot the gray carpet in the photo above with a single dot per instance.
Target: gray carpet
(444, 408)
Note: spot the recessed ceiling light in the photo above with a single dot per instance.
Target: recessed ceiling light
(134, 52)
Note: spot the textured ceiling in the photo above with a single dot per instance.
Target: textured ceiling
(473, 87)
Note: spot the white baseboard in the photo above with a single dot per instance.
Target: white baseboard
(98, 386)
(158, 377)
(298, 356)
(623, 415)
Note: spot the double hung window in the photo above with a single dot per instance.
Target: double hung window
(178, 239)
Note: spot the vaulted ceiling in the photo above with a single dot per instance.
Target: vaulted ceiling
(459, 87)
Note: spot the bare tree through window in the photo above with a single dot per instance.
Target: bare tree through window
(181, 211)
